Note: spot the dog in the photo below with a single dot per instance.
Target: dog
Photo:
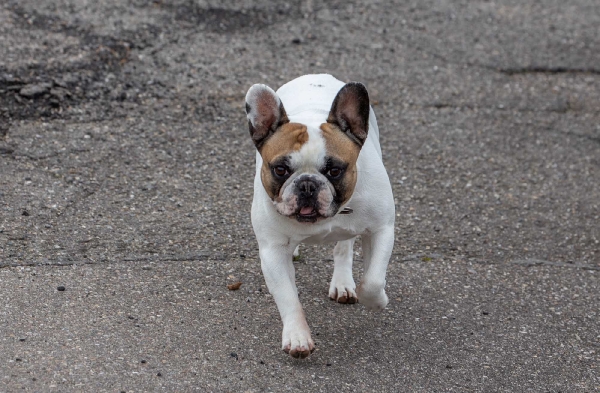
(319, 179)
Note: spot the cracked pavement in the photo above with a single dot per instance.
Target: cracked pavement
(125, 179)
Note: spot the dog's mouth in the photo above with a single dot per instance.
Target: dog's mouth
(307, 214)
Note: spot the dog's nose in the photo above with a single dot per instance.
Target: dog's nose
(307, 188)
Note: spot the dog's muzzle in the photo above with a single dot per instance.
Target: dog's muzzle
(307, 191)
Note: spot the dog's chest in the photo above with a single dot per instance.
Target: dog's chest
(333, 234)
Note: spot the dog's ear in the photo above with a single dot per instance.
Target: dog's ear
(265, 113)
(350, 111)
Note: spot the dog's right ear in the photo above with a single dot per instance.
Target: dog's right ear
(265, 113)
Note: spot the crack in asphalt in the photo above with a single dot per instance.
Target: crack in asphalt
(548, 70)
(441, 105)
(591, 138)
(524, 70)
(540, 262)
(201, 256)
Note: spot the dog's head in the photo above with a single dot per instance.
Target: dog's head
(309, 171)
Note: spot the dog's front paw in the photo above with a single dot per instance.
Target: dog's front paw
(297, 342)
(372, 297)
(343, 291)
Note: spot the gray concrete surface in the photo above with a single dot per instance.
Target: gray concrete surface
(125, 179)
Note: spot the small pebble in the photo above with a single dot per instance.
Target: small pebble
(61, 288)
(31, 91)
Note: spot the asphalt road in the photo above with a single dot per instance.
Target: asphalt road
(126, 182)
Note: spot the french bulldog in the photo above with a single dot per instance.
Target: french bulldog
(319, 179)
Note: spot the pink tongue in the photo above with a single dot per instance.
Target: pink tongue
(306, 210)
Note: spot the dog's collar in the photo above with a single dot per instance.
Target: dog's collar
(346, 210)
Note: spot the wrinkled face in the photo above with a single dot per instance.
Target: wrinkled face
(309, 173)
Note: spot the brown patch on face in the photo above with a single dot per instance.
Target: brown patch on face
(344, 149)
(288, 138)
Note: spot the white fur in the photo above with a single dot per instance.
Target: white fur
(312, 154)
(307, 100)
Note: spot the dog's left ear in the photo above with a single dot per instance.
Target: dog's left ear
(350, 111)
(265, 113)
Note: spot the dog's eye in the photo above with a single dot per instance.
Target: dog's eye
(334, 172)
(281, 171)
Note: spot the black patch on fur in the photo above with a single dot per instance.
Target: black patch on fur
(338, 184)
(278, 182)
(307, 192)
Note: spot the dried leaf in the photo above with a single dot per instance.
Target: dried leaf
(235, 286)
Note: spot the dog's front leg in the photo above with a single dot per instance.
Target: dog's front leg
(280, 276)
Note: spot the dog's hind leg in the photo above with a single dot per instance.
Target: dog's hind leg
(342, 288)
(377, 249)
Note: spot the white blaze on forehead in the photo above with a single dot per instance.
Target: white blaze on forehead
(311, 156)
